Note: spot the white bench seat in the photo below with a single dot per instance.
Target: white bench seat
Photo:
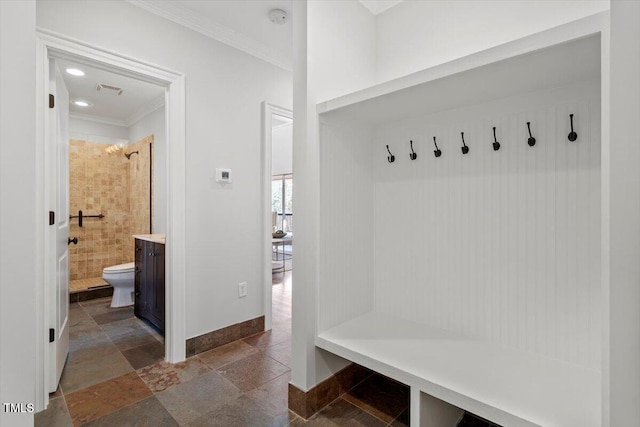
(499, 383)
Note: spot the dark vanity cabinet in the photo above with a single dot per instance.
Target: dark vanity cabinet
(149, 282)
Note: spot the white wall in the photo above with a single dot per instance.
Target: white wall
(154, 124)
(346, 201)
(224, 91)
(503, 246)
(622, 383)
(342, 37)
(19, 218)
(418, 34)
(89, 130)
(282, 149)
(334, 54)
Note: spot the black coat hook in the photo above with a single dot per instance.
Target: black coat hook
(412, 154)
(390, 158)
(531, 141)
(572, 135)
(437, 152)
(464, 147)
(496, 144)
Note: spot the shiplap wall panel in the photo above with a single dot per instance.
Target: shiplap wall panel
(500, 245)
(346, 222)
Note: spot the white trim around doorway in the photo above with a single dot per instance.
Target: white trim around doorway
(57, 46)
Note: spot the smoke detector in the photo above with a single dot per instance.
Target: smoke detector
(278, 16)
(108, 89)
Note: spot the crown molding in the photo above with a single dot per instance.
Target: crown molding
(145, 110)
(98, 119)
(378, 6)
(141, 113)
(191, 20)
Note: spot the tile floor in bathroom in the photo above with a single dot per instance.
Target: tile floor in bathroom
(116, 376)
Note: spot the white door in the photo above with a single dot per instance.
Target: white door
(59, 190)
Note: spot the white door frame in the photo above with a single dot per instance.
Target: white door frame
(54, 45)
(267, 111)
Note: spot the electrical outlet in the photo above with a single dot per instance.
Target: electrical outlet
(242, 289)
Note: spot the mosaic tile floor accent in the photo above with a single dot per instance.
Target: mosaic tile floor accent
(116, 376)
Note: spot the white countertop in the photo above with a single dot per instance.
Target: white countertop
(157, 238)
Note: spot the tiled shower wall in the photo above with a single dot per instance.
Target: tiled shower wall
(103, 183)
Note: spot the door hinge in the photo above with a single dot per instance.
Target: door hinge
(52, 335)
(52, 217)
(52, 100)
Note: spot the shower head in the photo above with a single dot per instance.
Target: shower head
(128, 155)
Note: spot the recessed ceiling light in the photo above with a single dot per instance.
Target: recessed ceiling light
(81, 103)
(75, 72)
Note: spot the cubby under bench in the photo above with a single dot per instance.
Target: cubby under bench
(449, 373)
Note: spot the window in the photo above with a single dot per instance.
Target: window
(282, 201)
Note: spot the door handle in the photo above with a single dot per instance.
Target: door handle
(74, 240)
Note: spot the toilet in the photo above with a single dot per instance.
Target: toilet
(121, 277)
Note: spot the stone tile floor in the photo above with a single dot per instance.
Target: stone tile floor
(116, 376)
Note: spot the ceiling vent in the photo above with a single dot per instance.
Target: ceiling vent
(109, 90)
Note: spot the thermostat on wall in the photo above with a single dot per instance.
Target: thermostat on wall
(223, 175)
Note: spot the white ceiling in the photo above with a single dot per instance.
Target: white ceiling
(243, 24)
(249, 17)
(137, 99)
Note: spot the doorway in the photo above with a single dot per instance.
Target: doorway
(278, 228)
(281, 194)
(173, 208)
(116, 125)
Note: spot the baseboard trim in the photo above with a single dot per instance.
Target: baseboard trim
(213, 339)
(307, 403)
